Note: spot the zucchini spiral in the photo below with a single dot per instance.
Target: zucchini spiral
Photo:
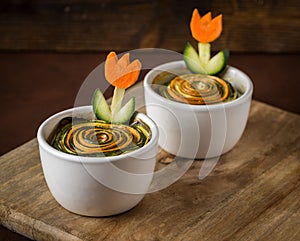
(98, 138)
(197, 89)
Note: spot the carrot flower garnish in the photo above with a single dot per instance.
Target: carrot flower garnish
(205, 29)
(121, 73)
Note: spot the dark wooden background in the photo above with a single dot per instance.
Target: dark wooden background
(91, 25)
(48, 47)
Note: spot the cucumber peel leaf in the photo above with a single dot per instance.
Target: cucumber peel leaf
(125, 113)
(100, 107)
(192, 60)
(212, 66)
(103, 111)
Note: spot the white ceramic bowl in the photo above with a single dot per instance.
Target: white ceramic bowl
(97, 186)
(198, 131)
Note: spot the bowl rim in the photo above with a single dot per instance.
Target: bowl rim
(175, 64)
(86, 159)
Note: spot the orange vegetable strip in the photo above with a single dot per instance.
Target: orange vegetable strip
(112, 56)
(124, 61)
(205, 29)
(121, 73)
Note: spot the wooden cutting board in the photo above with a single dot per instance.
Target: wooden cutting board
(252, 193)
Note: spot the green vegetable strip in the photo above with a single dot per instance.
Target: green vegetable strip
(117, 100)
(204, 52)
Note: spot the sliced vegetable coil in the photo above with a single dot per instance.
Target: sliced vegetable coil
(98, 138)
(198, 89)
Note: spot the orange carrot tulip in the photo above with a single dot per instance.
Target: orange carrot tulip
(205, 29)
(121, 73)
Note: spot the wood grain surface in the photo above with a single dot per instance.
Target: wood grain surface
(29, 82)
(252, 194)
(79, 25)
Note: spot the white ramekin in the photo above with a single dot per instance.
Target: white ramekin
(198, 131)
(97, 186)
